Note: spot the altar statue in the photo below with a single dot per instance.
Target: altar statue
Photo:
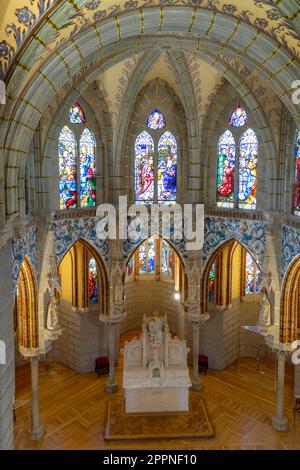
(156, 375)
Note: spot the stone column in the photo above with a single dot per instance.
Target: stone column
(196, 380)
(279, 421)
(36, 431)
(111, 386)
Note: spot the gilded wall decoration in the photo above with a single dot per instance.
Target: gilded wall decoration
(24, 245)
(30, 14)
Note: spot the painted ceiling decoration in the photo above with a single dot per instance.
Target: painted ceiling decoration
(23, 18)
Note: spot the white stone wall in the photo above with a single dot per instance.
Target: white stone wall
(7, 371)
(83, 338)
(221, 337)
(145, 296)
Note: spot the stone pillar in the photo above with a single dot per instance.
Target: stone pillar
(111, 386)
(196, 381)
(195, 319)
(279, 421)
(36, 431)
(117, 343)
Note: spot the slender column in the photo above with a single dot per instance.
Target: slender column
(279, 421)
(196, 381)
(36, 431)
(117, 343)
(111, 386)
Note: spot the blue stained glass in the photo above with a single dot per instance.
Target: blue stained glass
(167, 168)
(151, 255)
(296, 201)
(93, 288)
(144, 168)
(247, 170)
(238, 117)
(76, 114)
(87, 169)
(67, 169)
(156, 120)
(166, 258)
(251, 276)
(225, 172)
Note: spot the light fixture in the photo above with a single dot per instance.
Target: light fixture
(177, 296)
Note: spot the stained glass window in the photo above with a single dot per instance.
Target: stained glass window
(238, 117)
(167, 259)
(167, 168)
(67, 169)
(225, 172)
(144, 168)
(93, 288)
(211, 283)
(147, 256)
(296, 201)
(76, 114)
(156, 120)
(247, 170)
(87, 169)
(130, 267)
(251, 276)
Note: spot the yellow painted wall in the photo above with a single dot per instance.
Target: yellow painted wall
(236, 271)
(65, 269)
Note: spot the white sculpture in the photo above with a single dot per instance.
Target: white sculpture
(265, 309)
(156, 376)
(54, 284)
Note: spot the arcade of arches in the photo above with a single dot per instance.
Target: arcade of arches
(189, 103)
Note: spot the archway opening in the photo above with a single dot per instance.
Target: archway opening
(155, 281)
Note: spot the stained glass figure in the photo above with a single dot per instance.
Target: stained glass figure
(166, 259)
(87, 169)
(238, 117)
(142, 258)
(167, 168)
(211, 283)
(93, 288)
(130, 267)
(225, 172)
(67, 169)
(151, 255)
(76, 114)
(247, 170)
(156, 120)
(251, 276)
(144, 168)
(296, 201)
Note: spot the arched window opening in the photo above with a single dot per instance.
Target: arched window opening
(77, 162)
(87, 169)
(211, 283)
(144, 168)
(226, 169)
(67, 169)
(237, 165)
(247, 170)
(167, 167)
(155, 174)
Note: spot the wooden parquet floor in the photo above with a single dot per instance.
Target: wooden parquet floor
(72, 408)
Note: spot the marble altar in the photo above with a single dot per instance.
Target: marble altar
(156, 376)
